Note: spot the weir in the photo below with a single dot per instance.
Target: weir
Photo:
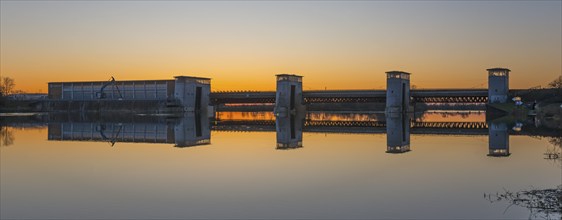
(190, 94)
(194, 130)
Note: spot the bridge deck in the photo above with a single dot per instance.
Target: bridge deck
(354, 96)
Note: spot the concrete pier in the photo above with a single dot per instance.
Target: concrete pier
(498, 85)
(193, 93)
(397, 92)
(288, 97)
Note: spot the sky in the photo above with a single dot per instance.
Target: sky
(241, 45)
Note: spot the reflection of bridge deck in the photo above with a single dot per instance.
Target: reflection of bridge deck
(371, 127)
(468, 128)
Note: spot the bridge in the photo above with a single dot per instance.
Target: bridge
(354, 96)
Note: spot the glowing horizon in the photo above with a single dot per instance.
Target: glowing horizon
(242, 45)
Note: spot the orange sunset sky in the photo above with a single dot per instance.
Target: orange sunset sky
(241, 45)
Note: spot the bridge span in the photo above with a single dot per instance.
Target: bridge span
(355, 96)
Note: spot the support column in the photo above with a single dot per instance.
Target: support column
(498, 140)
(498, 85)
(397, 133)
(193, 93)
(398, 92)
(288, 98)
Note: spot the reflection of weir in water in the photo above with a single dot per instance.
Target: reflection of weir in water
(468, 128)
(190, 130)
(194, 130)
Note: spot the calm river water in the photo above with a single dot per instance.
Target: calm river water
(248, 165)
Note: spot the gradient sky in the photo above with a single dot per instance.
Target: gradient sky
(243, 44)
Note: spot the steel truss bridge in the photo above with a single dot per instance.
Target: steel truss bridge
(355, 96)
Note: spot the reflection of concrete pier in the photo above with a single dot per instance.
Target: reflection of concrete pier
(397, 133)
(289, 131)
(190, 130)
(498, 140)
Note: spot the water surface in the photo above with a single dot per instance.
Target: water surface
(69, 170)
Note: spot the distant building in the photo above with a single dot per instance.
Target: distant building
(190, 92)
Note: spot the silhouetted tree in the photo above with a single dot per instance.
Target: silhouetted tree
(557, 83)
(7, 85)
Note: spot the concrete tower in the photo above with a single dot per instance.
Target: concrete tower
(397, 92)
(498, 85)
(397, 133)
(289, 99)
(193, 93)
(498, 140)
